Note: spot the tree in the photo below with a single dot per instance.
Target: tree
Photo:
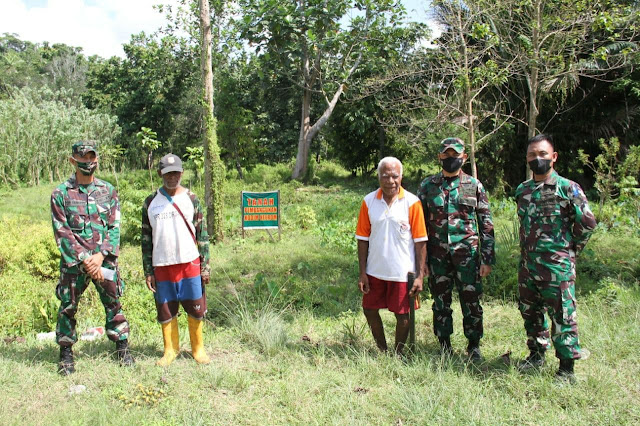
(148, 140)
(157, 85)
(213, 167)
(461, 75)
(550, 44)
(318, 50)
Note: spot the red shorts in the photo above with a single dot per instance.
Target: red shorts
(392, 295)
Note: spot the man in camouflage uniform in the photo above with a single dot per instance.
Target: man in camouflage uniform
(460, 248)
(86, 225)
(555, 225)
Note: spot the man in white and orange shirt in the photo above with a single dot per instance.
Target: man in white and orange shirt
(392, 239)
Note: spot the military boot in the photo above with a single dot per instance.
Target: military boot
(565, 372)
(124, 355)
(445, 345)
(66, 365)
(535, 360)
(473, 350)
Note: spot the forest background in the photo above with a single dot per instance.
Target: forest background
(308, 96)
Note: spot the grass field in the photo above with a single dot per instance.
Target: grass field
(288, 342)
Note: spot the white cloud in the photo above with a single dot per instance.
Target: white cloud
(100, 27)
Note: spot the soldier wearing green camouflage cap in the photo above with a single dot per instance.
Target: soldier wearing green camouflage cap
(460, 249)
(86, 224)
(555, 225)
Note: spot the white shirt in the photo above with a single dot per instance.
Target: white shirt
(172, 241)
(392, 232)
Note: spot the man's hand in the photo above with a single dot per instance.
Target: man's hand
(92, 265)
(363, 283)
(417, 287)
(205, 278)
(485, 270)
(151, 283)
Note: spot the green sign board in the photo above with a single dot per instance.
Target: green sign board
(260, 210)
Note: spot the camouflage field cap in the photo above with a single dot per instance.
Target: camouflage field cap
(83, 147)
(170, 163)
(455, 143)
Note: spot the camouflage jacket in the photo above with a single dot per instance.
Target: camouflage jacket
(458, 217)
(199, 224)
(86, 220)
(555, 225)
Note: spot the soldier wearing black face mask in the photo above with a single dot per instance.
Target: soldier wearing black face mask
(555, 225)
(460, 249)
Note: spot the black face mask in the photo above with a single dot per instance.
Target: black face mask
(452, 164)
(540, 166)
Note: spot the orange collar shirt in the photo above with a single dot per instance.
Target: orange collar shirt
(392, 231)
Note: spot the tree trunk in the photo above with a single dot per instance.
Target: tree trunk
(532, 81)
(382, 142)
(213, 167)
(304, 142)
(307, 132)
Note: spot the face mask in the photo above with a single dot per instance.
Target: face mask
(452, 164)
(87, 168)
(540, 166)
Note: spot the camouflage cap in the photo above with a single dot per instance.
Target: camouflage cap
(170, 163)
(83, 147)
(456, 144)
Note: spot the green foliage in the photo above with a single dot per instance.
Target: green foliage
(305, 217)
(28, 259)
(615, 177)
(37, 128)
(195, 161)
(28, 246)
(157, 85)
(215, 209)
(147, 139)
(503, 280)
(339, 235)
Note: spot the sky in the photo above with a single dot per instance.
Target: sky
(100, 27)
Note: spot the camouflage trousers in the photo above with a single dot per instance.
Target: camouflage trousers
(536, 298)
(70, 289)
(461, 270)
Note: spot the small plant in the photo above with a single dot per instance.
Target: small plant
(195, 160)
(45, 314)
(147, 139)
(110, 155)
(353, 330)
(509, 236)
(611, 172)
(305, 217)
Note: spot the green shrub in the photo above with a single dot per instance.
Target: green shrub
(131, 214)
(26, 245)
(305, 217)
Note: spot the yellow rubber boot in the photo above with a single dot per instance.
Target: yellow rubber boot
(197, 344)
(171, 339)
